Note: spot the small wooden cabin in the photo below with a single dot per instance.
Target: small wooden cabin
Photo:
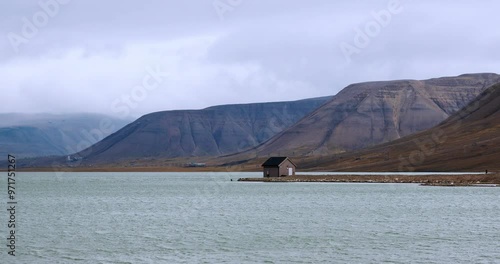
(278, 167)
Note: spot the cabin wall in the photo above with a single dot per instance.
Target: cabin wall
(283, 170)
(271, 172)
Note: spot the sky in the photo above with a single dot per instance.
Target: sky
(129, 58)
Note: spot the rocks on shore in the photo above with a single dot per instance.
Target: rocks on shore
(429, 180)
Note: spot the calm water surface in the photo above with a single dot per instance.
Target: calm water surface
(206, 218)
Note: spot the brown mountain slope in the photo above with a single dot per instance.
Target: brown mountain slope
(367, 114)
(467, 141)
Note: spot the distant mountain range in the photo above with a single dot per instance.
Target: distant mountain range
(36, 135)
(319, 132)
(212, 131)
(367, 114)
(469, 140)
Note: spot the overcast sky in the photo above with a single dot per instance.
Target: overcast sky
(128, 58)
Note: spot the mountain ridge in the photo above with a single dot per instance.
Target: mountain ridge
(211, 131)
(371, 113)
(469, 140)
(360, 116)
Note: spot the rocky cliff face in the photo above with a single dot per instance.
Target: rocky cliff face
(469, 140)
(194, 133)
(367, 114)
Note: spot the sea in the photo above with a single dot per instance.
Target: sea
(212, 218)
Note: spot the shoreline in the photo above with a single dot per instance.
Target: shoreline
(122, 169)
(426, 180)
(491, 179)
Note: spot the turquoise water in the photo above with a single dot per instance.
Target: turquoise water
(206, 218)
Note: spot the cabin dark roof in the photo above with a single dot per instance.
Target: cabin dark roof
(274, 161)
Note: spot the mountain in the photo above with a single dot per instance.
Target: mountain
(35, 135)
(212, 131)
(362, 115)
(469, 140)
(371, 113)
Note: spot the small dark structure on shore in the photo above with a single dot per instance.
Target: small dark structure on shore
(195, 165)
(278, 167)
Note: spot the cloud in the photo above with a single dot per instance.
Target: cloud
(93, 53)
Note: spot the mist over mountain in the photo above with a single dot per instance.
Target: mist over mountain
(35, 135)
